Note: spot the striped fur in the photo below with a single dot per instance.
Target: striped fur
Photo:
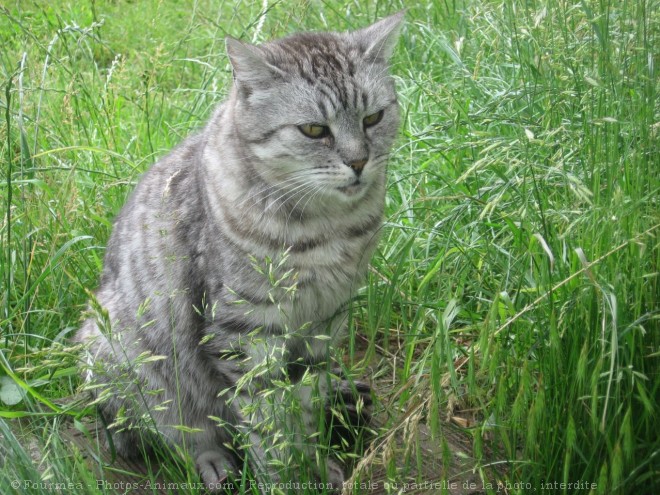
(244, 244)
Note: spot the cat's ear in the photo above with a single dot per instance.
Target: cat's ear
(379, 39)
(251, 69)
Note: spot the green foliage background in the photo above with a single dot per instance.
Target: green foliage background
(517, 278)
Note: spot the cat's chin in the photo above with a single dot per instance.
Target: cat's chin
(353, 191)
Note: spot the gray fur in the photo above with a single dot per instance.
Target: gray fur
(185, 277)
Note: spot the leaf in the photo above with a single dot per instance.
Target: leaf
(187, 429)
(547, 249)
(436, 267)
(10, 393)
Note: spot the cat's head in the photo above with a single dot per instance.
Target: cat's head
(318, 111)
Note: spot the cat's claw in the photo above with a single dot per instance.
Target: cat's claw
(213, 467)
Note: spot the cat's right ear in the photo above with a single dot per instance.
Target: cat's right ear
(379, 39)
(251, 69)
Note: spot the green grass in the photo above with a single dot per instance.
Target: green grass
(516, 283)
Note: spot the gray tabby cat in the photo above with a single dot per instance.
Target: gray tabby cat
(232, 263)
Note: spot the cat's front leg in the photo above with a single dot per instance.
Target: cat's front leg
(281, 434)
(313, 395)
(351, 399)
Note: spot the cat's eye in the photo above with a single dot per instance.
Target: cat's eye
(373, 119)
(314, 131)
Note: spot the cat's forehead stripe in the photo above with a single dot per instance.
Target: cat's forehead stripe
(324, 61)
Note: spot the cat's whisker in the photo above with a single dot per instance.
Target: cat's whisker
(294, 177)
(302, 193)
(286, 196)
(312, 190)
(270, 208)
(318, 190)
(268, 214)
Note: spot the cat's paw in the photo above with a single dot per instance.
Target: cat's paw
(353, 399)
(214, 467)
(349, 414)
(334, 476)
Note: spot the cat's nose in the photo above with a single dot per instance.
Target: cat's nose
(358, 165)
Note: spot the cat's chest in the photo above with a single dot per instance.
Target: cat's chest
(301, 292)
(289, 278)
(324, 283)
(318, 273)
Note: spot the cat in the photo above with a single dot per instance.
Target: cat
(231, 265)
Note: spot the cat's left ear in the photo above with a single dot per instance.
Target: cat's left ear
(379, 39)
(251, 69)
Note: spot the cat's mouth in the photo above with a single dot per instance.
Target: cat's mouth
(352, 189)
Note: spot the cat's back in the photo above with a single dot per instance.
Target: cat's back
(146, 232)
